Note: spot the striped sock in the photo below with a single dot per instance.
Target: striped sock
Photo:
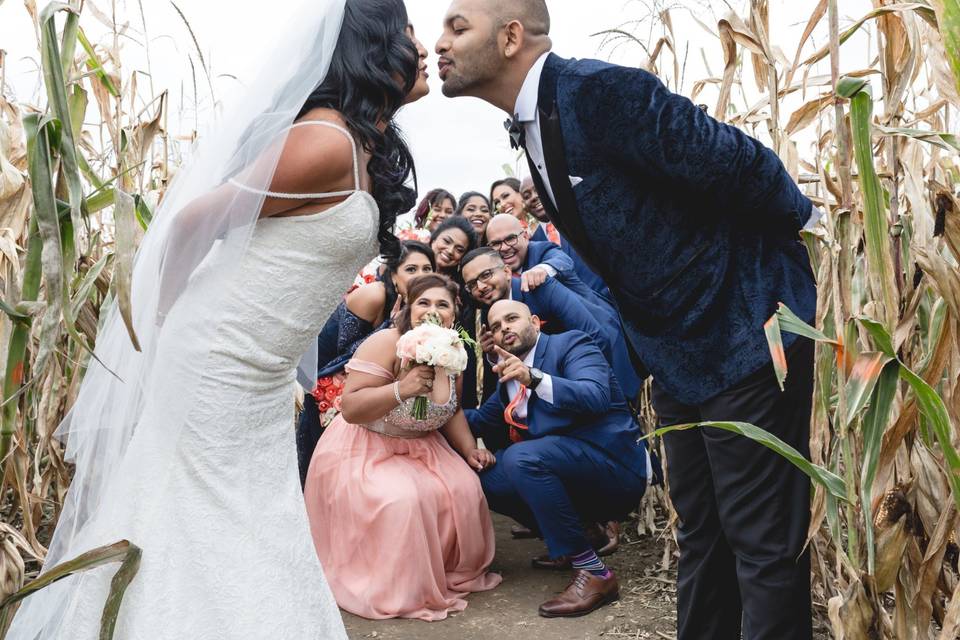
(590, 561)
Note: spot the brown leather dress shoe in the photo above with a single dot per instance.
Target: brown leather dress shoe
(585, 593)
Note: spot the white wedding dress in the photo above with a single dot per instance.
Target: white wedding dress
(227, 551)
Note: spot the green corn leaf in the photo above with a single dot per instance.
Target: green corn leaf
(829, 480)
(124, 552)
(874, 424)
(94, 65)
(881, 337)
(933, 409)
(56, 85)
(789, 322)
(883, 286)
(866, 372)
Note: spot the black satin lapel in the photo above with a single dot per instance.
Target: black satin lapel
(541, 188)
(568, 219)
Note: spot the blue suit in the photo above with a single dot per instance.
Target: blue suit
(580, 458)
(563, 310)
(548, 253)
(691, 223)
(583, 270)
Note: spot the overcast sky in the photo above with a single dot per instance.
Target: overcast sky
(458, 144)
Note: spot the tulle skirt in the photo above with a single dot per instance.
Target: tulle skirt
(401, 525)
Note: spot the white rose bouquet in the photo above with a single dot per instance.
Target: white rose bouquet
(431, 344)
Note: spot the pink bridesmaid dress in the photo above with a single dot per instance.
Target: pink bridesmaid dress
(398, 518)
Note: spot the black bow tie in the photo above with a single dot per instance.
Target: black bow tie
(518, 134)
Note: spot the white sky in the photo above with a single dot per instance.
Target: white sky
(458, 144)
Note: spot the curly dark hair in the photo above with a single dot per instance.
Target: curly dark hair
(372, 52)
(430, 200)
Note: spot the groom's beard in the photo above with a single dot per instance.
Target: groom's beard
(474, 70)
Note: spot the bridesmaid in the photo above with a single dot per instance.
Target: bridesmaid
(475, 207)
(434, 208)
(451, 241)
(397, 514)
(365, 309)
(506, 198)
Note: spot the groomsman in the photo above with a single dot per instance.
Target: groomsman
(574, 453)
(533, 262)
(695, 227)
(547, 231)
(488, 280)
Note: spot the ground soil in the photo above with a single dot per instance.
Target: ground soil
(646, 610)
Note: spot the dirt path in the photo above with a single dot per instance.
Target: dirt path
(646, 609)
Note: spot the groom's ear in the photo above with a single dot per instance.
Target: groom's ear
(515, 35)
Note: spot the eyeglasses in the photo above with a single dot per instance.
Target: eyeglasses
(484, 277)
(510, 241)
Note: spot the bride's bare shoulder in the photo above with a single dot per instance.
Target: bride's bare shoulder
(316, 158)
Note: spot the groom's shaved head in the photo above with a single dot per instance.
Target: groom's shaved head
(532, 14)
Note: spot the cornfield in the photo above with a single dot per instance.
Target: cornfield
(869, 139)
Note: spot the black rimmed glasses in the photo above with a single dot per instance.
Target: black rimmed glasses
(510, 241)
(484, 277)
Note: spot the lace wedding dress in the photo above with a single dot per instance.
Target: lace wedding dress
(227, 551)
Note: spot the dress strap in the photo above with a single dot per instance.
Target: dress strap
(313, 196)
(370, 368)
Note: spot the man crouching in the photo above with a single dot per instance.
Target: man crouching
(574, 454)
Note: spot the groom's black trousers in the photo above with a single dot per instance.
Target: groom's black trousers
(744, 511)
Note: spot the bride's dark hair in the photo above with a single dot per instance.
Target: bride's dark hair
(374, 67)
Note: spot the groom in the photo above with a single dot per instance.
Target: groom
(694, 226)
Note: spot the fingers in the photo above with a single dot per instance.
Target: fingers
(503, 353)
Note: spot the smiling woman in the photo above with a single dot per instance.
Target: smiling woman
(450, 242)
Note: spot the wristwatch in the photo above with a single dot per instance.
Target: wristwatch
(536, 377)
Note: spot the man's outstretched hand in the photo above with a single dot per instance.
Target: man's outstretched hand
(511, 367)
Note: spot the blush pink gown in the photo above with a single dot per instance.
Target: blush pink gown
(398, 518)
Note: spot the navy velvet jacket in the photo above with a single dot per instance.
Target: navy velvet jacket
(691, 223)
(588, 404)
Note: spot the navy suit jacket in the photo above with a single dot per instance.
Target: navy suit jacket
(581, 268)
(548, 253)
(562, 310)
(691, 223)
(588, 404)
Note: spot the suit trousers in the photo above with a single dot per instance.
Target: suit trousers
(555, 483)
(744, 510)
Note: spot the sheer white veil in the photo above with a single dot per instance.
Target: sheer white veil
(202, 225)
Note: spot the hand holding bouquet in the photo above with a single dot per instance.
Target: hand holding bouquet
(431, 344)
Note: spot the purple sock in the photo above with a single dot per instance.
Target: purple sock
(590, 561)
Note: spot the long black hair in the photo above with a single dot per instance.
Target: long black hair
(374, 67)
(407, 248)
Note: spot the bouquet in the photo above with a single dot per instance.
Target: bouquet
(431, 344)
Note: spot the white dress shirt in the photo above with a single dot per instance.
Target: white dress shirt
(527, 114)
(544, 390)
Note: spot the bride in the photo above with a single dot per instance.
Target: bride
(184, 444)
